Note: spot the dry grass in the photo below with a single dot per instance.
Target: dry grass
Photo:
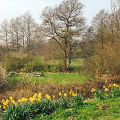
(28, 89)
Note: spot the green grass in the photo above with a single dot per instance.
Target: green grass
(95, 109)
(51, 77)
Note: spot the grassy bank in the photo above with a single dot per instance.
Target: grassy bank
(94, 109)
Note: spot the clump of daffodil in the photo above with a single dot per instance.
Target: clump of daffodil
(5, 102)
(32, 99)
(92, 90)
(106, 89)
(70, 92)
(48, 97)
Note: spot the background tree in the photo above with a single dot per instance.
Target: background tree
(64, 24)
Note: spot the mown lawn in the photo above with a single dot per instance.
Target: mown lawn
(94, 109)
(51, 77)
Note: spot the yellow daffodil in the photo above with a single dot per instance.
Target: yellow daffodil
(60, 94)
(2, 101)
(24, 99)
(32, 99)
(73, 94)
(39, 95)
(10, 98)
(103, 86)
(62, 91)
(35, 95)
(6, 102)
(48, 97)
(92, 90)
(53, 96)
(4, 107)
(13, 102)
(65, 94)
(39, 99)
(106, 89)
(110, 85)
(114, 85)
(19, 100)
(106, 94)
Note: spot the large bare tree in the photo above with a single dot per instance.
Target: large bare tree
(64, 24)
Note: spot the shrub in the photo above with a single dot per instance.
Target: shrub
(106, 60)
(2, 77)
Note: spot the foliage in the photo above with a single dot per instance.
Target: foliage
(2, 77)
(104, 61)
(110, 91)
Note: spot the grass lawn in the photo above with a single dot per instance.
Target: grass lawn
(51, 77)
(94, 109)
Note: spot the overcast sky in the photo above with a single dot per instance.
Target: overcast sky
(14, 8)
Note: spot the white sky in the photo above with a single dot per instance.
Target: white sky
(14, 8)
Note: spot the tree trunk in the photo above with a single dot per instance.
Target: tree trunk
(65, 62)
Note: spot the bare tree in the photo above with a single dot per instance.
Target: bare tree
(64, 24)
(4, 33)
(30, 27)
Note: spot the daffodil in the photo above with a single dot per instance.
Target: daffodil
(6, 102)
(106, 94)
(114, 84)
(60, 94)
(4, 107)
(103, 86)
(10, 98)
(62, 91)
(53, 96)
(92, 90)
(39, 95)
(106, 89)
(48, 97)
(110, 85)
(65, 94)
(73, 94)
(35, 95)
(32, 99)
(13, 102)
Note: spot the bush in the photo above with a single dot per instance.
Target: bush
(33, 66)
(106, 60)
(2, 77)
